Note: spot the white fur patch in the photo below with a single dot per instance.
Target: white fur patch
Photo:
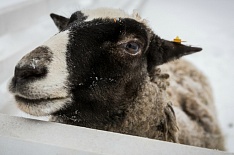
(54, 85)
(44, 108)
(110, 13)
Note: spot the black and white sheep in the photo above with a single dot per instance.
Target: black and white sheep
(102, 71)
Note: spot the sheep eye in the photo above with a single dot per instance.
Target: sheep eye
(132, 47)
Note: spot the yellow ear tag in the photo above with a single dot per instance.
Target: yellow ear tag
(178, 40)
(114, 20)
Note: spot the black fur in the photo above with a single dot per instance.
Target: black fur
(103, 78)
(161, 51)
(101, 73)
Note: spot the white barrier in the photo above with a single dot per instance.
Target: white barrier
(27, 136)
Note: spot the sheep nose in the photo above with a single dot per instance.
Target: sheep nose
(33, 65)
(29, 72)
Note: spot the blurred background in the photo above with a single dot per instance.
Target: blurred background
(25, 24)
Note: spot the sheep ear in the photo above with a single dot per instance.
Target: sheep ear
(174, 50)
(161, 51)
(60, 21)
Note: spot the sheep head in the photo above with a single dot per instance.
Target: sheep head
(95, 64)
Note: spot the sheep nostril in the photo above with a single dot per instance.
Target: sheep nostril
(29, 73)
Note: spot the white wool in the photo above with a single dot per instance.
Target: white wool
(110, 13)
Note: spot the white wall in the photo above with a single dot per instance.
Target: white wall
(33, 137)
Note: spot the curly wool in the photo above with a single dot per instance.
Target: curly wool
(182, 112)
(195, 111)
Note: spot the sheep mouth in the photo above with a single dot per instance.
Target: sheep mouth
(37, 101)
(42, 106)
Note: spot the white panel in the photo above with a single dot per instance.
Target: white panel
(29, 136)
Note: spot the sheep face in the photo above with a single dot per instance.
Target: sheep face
(95, 63)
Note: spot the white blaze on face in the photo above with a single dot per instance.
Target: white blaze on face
(54, 84)
(53, 88)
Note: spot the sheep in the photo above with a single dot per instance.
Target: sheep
(108, 70)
